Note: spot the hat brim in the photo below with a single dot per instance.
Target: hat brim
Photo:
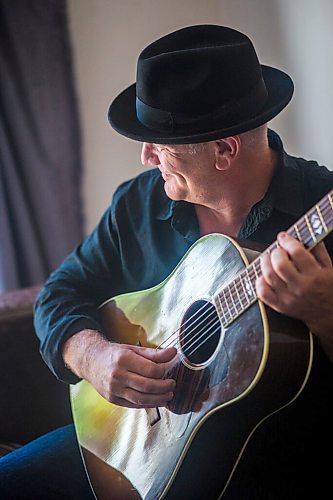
(122, 114)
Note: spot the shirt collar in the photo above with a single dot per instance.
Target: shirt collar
(285, 192)
(166, 208)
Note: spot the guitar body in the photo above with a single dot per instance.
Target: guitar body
(226, 386)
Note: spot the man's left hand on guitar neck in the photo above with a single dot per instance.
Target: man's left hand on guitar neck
(299, 283)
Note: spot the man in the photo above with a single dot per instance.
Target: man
(200, 106)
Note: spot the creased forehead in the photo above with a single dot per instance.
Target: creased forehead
(183, 148)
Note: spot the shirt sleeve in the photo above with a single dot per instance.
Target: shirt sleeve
(69, 300)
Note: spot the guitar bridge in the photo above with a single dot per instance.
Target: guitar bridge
(153, 415)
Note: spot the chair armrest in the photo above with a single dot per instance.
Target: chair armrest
(32, 401)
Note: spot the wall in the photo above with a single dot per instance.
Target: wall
(108, 35)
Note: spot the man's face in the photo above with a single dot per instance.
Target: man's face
(187, 171)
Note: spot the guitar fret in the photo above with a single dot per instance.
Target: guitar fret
(244, 289)
(227, 304)
(330, 199)
(238, 295)
(249, 282)
(298, 234)
(232, 299)
(321, 218)
(310, 228)
(256, 271)
(222, 309)
(317, 222)
(305, 233)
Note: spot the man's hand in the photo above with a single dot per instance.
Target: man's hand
(126, 375)
(300, 284)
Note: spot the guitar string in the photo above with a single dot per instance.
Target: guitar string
(213, 311)
(203, 323)
(203, 342)
(169, 340)
(202, 308)
(239, 292)
(205, 318)
(204, 332)
(205, 328)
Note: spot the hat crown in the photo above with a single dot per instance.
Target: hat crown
(197, 69)
(198, 84)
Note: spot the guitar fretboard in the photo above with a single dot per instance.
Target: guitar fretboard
(239, 294)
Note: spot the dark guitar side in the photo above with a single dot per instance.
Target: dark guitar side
(218, 445)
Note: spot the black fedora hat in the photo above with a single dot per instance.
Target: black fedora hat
(198, 84)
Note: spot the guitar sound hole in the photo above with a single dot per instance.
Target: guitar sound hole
(200, 332)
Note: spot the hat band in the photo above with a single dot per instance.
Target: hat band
(225, 116)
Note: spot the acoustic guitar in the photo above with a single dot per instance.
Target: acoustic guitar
(237, 363)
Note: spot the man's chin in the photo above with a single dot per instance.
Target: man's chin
(172, 193)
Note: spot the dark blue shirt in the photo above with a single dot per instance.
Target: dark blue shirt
(141, 238)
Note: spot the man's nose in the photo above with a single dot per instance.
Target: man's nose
(149, 155)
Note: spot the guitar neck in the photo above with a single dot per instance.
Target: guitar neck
(240, 294)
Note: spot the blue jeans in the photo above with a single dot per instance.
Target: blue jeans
(48, 468)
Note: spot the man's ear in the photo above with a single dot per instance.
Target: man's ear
(226, 151)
